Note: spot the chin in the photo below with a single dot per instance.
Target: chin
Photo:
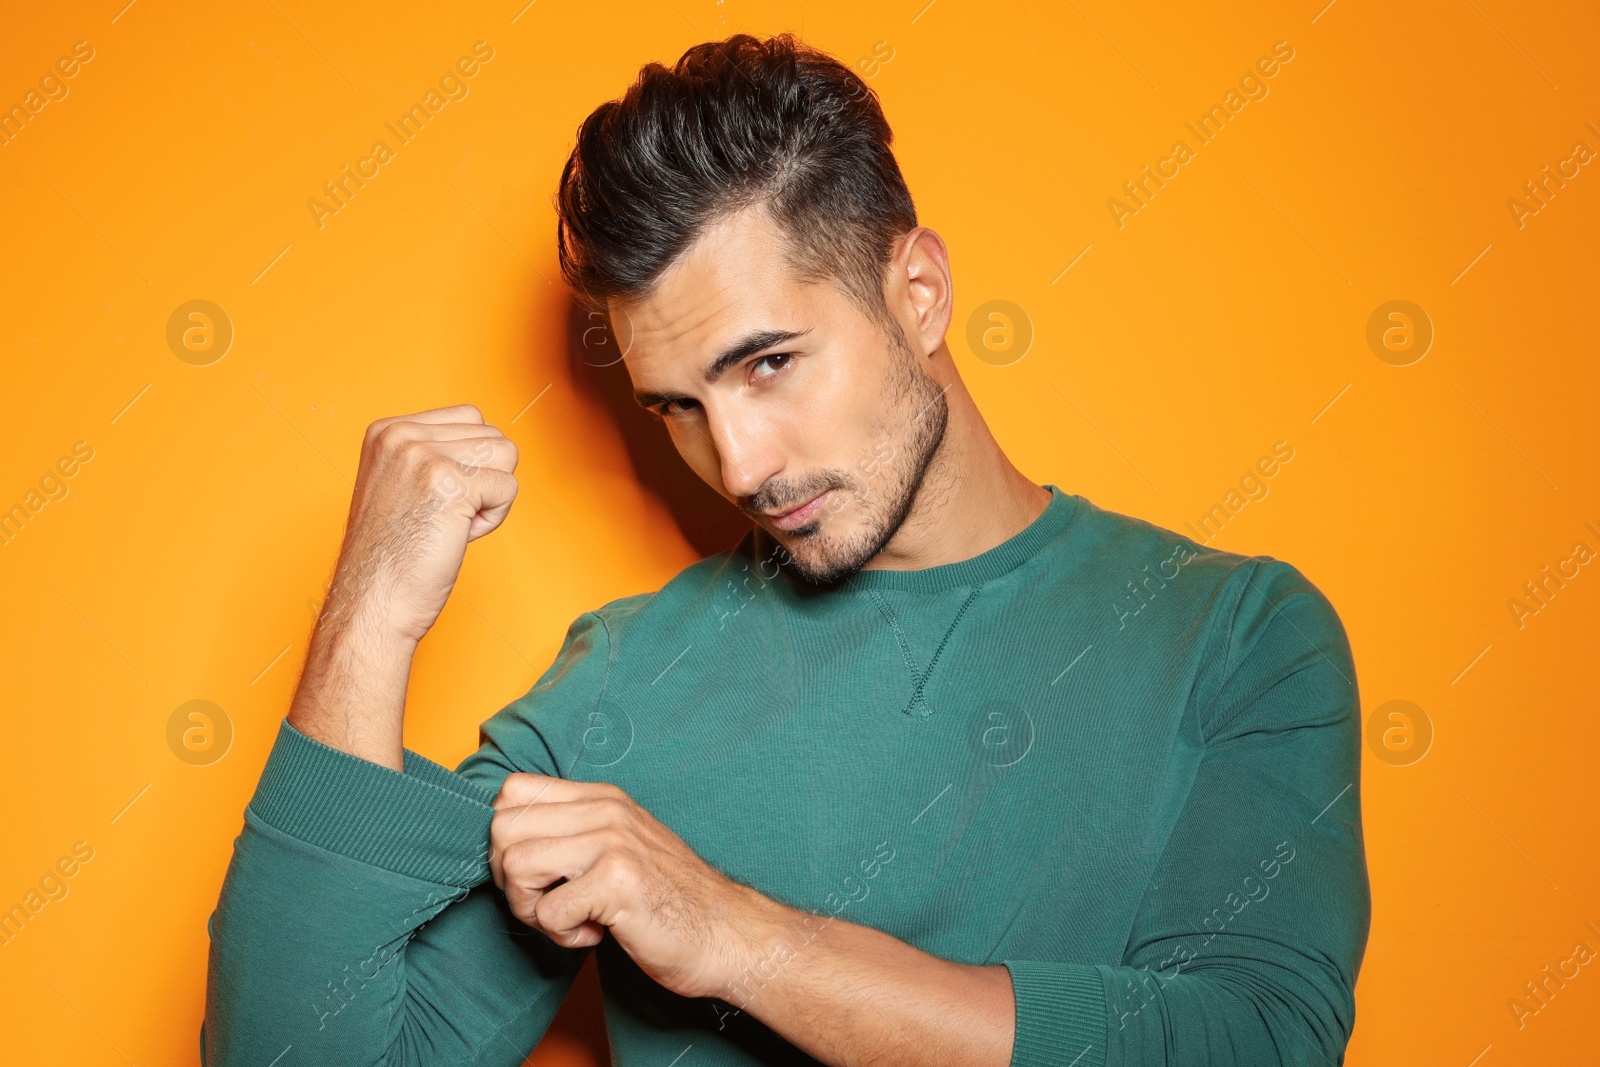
(823, 554)
(829, 573)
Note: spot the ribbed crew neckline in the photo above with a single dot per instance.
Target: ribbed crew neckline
(986, 566)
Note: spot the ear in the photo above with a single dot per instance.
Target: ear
(923, 263)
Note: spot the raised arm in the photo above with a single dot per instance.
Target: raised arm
(427, 485)
(356, 923)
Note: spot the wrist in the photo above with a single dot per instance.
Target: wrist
(766, 936)
(366, 633)
(366, 615)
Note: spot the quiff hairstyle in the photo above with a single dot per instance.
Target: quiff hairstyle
(734, 123)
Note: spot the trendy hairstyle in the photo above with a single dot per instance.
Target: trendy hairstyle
(733, 124)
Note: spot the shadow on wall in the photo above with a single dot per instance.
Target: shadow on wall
(594, 361)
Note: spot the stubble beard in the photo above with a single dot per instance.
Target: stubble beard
(917, 416)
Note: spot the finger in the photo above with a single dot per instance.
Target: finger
(485, 496)
(460, 413)
(521, 787)
(499, 872)
(401, 430)
(487, 521)
(393, 435)
(475, 453)
(522, 805)
(562, 819)
(534, 864)
(530, 868)
(524, 788)
(571, 914)
(494, 504)
(588, 933)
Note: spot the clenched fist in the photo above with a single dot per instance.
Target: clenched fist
(428, 484)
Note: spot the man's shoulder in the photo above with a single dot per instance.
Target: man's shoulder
(1103, 536)
(1255, 620)
(1125, 548)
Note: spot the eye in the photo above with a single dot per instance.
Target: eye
(778, 361)
(785, 357)
(665, 410)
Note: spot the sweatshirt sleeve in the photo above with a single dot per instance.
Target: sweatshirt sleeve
(1247, 943)
(358, 924)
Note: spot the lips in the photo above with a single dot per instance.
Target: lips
(802, 514)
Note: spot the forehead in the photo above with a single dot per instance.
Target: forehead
(733, 279)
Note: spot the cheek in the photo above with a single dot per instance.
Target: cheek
(837, 410)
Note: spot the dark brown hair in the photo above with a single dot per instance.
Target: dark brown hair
(734, 123)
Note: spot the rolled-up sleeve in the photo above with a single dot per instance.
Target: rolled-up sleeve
(357, 923)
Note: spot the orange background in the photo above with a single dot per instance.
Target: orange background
(1229, 313)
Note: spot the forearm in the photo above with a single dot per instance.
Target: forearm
(848, 994)
(352, 692)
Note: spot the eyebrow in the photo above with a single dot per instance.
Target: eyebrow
(748, 345)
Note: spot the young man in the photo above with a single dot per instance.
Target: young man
(935, 766)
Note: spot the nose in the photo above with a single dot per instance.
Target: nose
(746, 446)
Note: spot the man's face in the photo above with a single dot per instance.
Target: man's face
(784, 397)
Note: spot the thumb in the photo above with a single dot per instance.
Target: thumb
(587, 934)
(497, 491)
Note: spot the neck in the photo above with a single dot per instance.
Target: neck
(971, 499)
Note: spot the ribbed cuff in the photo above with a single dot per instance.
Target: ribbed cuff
(435, 774)
(428, 823)
(1061, 1014)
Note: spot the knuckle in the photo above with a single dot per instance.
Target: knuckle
(514, 857)
(412, 450)
(517, 786)
(377, 426)
(524, 905)
(557, 905)
(614, 874)
(393, 439)
(500, 829)
(436, 471)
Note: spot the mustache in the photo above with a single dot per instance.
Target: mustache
(783, 498)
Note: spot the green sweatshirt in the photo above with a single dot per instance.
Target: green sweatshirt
(1121, 764)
